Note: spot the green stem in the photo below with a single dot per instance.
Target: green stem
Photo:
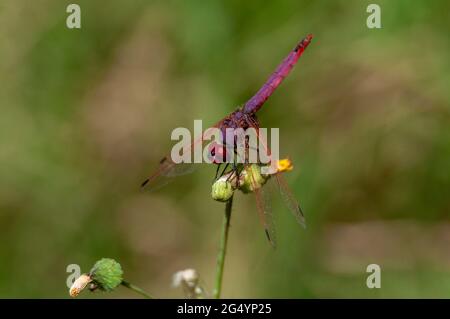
(223, 248)
(135, 289)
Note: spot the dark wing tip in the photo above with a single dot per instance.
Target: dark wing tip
(272, 243)
(145, 182)
(163, 160)
(302, 218)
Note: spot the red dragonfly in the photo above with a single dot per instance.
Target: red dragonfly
(244, 117)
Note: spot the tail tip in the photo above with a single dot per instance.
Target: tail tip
(304, 43)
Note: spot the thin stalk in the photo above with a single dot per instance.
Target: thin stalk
(135, 289)
(223, 248)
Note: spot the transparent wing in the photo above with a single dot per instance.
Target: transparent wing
(168, 169)
(282, 185)
(166, 172)
(289, 199)
(264, 207)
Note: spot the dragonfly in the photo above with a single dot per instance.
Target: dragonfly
(243, 117)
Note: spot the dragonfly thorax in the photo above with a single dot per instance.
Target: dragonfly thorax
(240, 119)
(231, 127)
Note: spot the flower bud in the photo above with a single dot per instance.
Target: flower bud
(252, 179)
(107, 274)
(79, 284)
(187, 276)
(222, 190)
(188, 279)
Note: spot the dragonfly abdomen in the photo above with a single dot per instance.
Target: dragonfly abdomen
(255, 103)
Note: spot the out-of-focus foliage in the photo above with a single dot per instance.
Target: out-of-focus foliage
(87, 114)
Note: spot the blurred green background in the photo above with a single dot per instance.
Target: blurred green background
(86, 115)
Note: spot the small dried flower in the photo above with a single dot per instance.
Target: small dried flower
(187, 276)
(188, 279)
(79, 284)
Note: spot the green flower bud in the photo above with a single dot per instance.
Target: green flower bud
(251, 180)
(222, 190)
(107, 274)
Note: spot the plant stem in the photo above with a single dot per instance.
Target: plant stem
(223, 248)
(135, 289)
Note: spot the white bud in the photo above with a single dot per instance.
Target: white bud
(187, 276)
(188, 279)
(79, 284)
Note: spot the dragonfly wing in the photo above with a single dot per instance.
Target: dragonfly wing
(166, 172)
(168, 169)
(289, 199)
(282, 186)
(261, 139)
(263, 204)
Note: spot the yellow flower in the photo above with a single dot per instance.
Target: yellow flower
(284, 165)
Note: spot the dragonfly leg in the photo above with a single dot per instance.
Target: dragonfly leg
(217, 171)
(237, 172)
(233, 169)
(225, 168)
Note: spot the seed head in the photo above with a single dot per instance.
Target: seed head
(106, 274)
